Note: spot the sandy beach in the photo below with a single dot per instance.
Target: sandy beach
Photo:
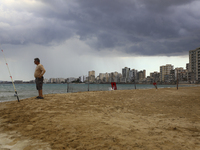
(163, 119)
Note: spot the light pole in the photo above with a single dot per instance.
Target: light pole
(88, 83)
(134, 82)
(67, 87)
(177, 79)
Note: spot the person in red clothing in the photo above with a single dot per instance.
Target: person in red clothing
(155, 85)
(114, 86)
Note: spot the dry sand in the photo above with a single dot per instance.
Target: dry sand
(163, 119)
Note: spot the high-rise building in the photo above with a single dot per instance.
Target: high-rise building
(187, 70)
(133, 75)
(91, 75)
(52, 80)
(113, 77)
(187, 66)
(102, 76)
(119, 76)
(178, 71)
(107, 75)
(155, 76)
(165, 70)
(141, 75)
(144, 74)
(194, 65)
(125, 72)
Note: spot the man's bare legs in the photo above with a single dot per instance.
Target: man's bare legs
(40, 93)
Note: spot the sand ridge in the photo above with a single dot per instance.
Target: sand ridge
(128, 119)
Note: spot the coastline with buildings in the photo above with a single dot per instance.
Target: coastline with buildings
(168, 74)
(99, 75)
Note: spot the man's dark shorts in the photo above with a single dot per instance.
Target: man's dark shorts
(39, 83)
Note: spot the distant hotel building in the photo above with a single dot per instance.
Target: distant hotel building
(55, 80)
(133, 75)
(91, 76)
(194, 65)
(155, 76)
(141, 75)
(101, 76)
(114, 77)
(125, 74)
(165, 71)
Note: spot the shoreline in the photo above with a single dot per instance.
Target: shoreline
(181, 85)
(110, 83)
(123, 119)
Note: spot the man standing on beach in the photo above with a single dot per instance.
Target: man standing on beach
(39, 72)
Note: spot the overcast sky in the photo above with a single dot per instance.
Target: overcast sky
(72, 37)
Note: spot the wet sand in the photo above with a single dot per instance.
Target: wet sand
(163, 119)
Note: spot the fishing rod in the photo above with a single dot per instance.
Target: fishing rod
(11, 77)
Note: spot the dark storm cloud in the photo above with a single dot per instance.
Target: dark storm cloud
(143, 27)
(162, 6)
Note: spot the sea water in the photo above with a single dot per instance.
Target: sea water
(29, 90)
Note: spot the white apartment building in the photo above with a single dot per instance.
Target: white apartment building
(141, 75)
(91, 75)
(56, 80)
(178, 71)
(113, 77)
(52, 80)
(165, 70)
(107, 75)
(60, 80)
(155, 76)
(104, 77)
(125, 73)
(133, 74)
(101, 76)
